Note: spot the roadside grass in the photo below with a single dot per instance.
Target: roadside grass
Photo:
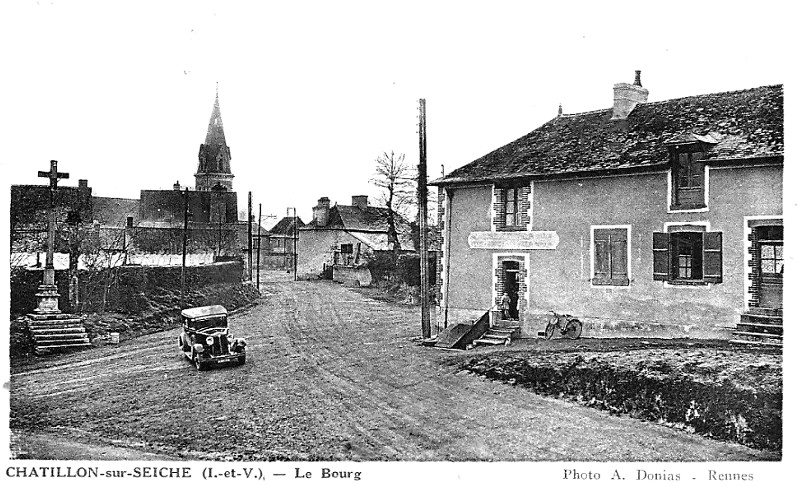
(721, 390)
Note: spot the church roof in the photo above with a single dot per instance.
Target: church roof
(214, 154)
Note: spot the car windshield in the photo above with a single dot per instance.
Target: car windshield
(215, 321)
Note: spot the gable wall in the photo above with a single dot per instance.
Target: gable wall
(316, 248)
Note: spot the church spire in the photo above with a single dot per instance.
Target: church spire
(214, 154)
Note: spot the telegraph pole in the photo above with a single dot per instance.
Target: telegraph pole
(185, 244)
(259, 215)
(295, 237)
(249, 223)
(426, 327)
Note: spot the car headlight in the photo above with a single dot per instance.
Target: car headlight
(209, 340)
(242, 342)
(198, 348)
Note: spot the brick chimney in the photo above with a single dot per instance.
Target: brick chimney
(627, 96)
(360, 201)
(321, 212)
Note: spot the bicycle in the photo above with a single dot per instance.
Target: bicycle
(566, 324)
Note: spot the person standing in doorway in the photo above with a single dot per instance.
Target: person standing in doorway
(506, 301)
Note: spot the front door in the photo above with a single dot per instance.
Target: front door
(511, 274)
(770, 265)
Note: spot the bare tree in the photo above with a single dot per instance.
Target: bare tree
(397, 180)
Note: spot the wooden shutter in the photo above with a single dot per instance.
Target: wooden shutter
(619, 249)
(661, 256)
(602, 274)
(712, 257)
(611, 257)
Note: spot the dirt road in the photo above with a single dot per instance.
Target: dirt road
(331, 375)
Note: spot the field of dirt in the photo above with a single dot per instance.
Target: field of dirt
(330, 375)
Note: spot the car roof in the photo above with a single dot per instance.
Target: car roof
(206, 311)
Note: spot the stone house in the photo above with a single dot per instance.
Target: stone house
(660, 219)
(341, 239)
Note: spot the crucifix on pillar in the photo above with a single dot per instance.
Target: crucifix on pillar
(47, 296)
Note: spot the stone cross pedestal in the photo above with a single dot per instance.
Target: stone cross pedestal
(51, 329)
(47, 295)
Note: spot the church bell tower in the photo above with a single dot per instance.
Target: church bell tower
(214, 172)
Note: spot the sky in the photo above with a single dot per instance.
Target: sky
(311, 92)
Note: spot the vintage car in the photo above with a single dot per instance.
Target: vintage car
(206, 339)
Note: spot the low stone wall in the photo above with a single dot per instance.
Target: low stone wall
(356, 276)
(121, 288)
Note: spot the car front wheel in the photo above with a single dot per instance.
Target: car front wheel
(200, 365)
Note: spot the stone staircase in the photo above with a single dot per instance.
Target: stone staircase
(760, 326)
(57, 332)
(501, 332)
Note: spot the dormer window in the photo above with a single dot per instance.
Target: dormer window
(688, 178)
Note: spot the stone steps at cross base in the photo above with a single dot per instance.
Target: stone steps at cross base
(55, 323)
(42, 338)
(46, 349)
(57, 332)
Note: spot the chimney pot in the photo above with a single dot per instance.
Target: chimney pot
(637, 78)
(626, 97)
(360, 201)
(83, 183)
(321, 212)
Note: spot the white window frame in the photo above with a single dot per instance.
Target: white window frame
(670, 210)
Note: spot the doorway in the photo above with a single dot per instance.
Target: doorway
(769, 251)
(511, 275)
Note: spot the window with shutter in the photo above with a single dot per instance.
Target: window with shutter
(687, 257)
(610, 258)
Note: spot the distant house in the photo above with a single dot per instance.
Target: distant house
(661, 218)
(283, 235)
(346, 237)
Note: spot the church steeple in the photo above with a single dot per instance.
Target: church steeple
(214, 155)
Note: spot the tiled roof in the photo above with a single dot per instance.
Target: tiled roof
(285, 226)
(372, 220)
(744, 124)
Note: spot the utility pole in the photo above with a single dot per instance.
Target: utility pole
(219, 213)
(249, 223)
(259, 215)
(295, 237)
(426, 327)
(185, 244)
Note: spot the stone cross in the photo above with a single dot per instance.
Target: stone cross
(47, 295)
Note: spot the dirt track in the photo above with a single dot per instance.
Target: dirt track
(331, 374)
